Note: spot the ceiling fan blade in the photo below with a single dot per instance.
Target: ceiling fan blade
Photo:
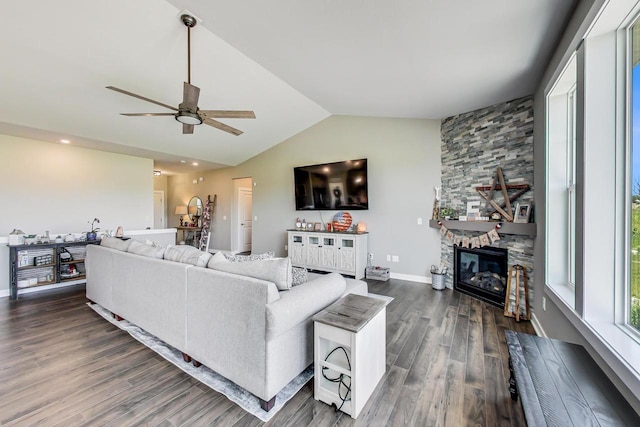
(147, 114)
(141, 97)
(190, 97)
(228, 114)
(222, 126)
(187, 128)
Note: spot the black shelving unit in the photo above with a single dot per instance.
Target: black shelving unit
(25, 274)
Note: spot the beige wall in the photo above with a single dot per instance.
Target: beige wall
(60, 188)
(404, 166)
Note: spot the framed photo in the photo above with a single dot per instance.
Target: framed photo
(523, 213)
(317, 226)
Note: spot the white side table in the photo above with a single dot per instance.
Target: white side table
(356, 324)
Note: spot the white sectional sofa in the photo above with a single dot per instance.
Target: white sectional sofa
(242, 327)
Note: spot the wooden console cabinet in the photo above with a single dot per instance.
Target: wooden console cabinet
(345, 253)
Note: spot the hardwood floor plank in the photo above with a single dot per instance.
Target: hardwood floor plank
(383, 400)
(474, 405)
(474, 372)
(460, 338)
(489, 331)
(497, 398)
(453, 411)
(448, 325)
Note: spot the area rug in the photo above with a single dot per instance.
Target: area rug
(235, 393)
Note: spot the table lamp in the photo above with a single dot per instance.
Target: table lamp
(181, 210)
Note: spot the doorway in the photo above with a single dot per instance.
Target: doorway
(242, 215)
(159, 209)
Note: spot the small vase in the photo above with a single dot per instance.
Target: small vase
(92, 236)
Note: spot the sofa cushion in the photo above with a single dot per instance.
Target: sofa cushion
(277, 270)
(187, 254)
(142, 249)
(252, 257)
(298, 276)
(302, 302)
(115, 243)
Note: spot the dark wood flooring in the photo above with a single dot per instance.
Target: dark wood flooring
(63, 365)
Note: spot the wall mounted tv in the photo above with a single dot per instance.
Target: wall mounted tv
(332, 186)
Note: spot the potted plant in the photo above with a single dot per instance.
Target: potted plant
(93, 234)
(447, 213)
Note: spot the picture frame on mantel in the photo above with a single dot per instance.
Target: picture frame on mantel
(523, 213)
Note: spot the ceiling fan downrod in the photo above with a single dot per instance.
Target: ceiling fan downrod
(190, 22)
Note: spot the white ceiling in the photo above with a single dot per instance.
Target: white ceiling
(293, 62)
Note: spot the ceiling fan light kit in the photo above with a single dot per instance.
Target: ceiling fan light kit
(188, 118)
(188, 113)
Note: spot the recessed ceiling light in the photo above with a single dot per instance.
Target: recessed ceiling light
(183, 161)
(65, 141)
(195, 163)
(157, 172)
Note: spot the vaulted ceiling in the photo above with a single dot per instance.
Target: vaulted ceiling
(292, 62)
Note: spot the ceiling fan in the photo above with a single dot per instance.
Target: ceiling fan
(188, 112)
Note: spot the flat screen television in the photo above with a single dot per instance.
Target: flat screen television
(332, 186)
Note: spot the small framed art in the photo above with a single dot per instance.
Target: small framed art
(523, 213)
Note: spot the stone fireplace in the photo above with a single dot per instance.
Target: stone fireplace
(474, 144)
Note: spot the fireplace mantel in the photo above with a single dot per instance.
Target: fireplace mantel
(528, 229)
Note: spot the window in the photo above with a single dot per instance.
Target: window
(633, 293)
(561, 185)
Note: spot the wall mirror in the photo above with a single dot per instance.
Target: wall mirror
(195, 210)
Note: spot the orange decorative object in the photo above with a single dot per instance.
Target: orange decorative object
(361, 227)
(342, 221)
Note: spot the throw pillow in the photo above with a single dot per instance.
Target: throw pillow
(152, 243)
(218, 257)
(187, 254)
(115, 243)
(277, 270)
(142, 249)
(298, 276)
(252, 257)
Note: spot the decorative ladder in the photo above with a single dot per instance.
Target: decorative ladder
(209, 211)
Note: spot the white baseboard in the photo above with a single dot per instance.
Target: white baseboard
(411, 278)
(4, 293)
(537, 326)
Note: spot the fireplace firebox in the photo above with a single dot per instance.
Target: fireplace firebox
(481, 273)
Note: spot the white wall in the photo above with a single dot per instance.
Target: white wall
(404, 166)
(59, 188)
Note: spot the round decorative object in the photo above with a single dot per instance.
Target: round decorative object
(495, 216)
(361, 227)
(342, 221)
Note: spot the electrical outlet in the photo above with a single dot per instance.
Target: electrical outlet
(224, 217)
(388, 257)
(255, 218)
(370, 256)
(286, 247)
(419, 221)
(395, 258)
(544, 304)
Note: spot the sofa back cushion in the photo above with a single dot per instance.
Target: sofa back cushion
(146, 250)
(276, 270)
(187, 254)
(115, 243)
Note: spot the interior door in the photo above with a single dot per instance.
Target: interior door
(245, 198)
(158, 210)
